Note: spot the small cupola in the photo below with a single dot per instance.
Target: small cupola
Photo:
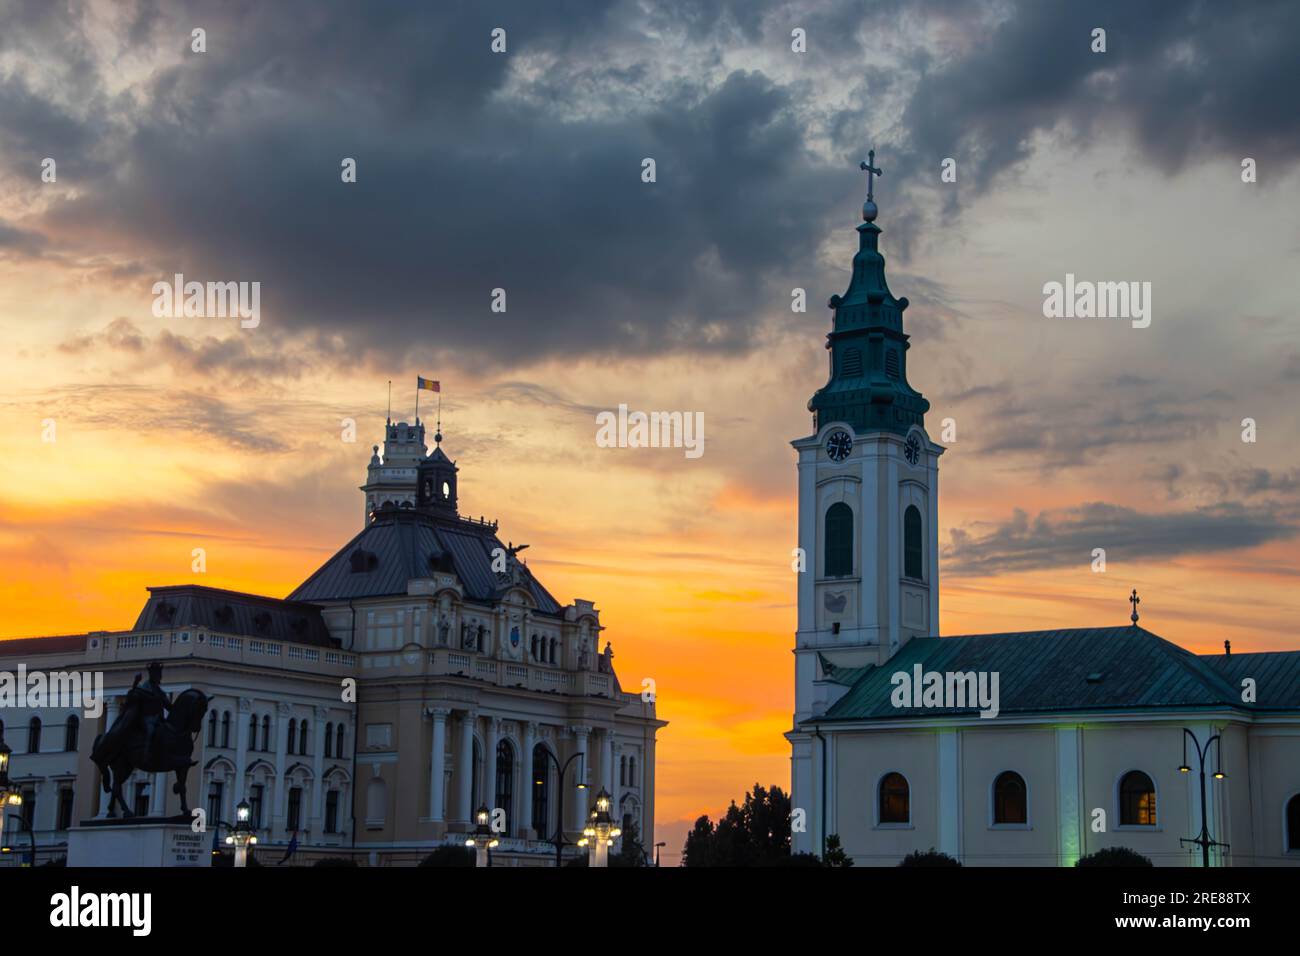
(436, 483)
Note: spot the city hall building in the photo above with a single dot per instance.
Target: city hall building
(421, 672)
(1095, 735)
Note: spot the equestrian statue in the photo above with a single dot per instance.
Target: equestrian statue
(154, 734)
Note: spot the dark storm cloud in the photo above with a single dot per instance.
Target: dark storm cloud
(1180, 76)
(225, 165)
(1068, 537)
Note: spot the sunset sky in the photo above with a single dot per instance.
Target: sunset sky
(522, 171)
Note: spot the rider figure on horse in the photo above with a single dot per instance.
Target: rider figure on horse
(146, 703)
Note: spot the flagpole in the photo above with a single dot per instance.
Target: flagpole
(390, 402)
(417, 401)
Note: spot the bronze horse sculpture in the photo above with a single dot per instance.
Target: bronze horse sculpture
(168, 746)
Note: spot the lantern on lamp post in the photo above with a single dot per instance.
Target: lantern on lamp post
(600, 831)
(10, 796)
(483, 838)
(241, 834)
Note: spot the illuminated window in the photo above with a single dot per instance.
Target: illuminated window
(1137, 800)
(895, 800)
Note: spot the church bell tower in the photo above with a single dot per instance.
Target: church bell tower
(868, 491)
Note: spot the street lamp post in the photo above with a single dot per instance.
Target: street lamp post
(1203, 839)
(483, 839)
(560, 770)
(10, 796)
(601, 830)
(241, 834)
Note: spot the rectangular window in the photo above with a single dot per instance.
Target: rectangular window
(295, 809)
(255, 806)
(332, 812)
(214, 802)
(66, 803)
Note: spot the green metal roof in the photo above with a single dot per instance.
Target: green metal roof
(1045, 672)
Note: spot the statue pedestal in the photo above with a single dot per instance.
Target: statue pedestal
(139, 841)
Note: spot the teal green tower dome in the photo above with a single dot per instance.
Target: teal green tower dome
(868, 386)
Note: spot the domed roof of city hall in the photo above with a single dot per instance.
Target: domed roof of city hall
(401, 544)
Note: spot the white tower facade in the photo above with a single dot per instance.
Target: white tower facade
(868, 520)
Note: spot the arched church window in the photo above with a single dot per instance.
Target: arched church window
(838, 559)
(505, 782)
(894, 799)
(1009, 798)
(1137, 800)
(1293, 823)
(913, 552)
(541, 791)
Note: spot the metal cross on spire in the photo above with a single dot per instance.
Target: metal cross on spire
(871, 169)
(1135, 601)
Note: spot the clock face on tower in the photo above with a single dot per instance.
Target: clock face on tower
(839, 444)
(912, 449)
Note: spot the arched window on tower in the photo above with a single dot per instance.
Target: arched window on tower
(913, 552)
(838, 559)
(1009, 803)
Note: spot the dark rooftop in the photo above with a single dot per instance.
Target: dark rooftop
(234, 612)
(401, 544)
(1070, 670)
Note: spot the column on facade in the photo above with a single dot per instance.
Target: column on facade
(607, 759)
(158, 794)
(241, 749)
(317, 818)
(280, 796)
(578, 816)
(110, 715)
(526, 780)
(465, 765)
(490, 762)
(438, 763)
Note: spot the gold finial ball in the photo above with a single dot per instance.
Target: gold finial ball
(869, 211)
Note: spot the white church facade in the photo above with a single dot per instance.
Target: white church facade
(1096, 735)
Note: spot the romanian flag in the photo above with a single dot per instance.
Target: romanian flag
(428, 383)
